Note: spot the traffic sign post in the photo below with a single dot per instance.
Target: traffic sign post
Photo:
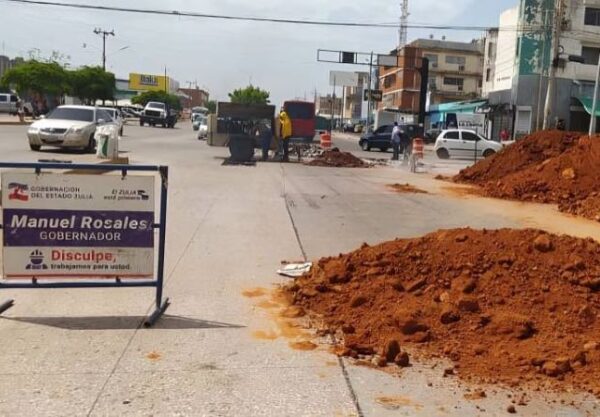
(83, 231)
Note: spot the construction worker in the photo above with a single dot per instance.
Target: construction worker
(396, 139)
(286, 133)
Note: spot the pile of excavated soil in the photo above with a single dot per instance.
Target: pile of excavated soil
(518, 307)
(336, 158)
(565, 174)
(529, 151)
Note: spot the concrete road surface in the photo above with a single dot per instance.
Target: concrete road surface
(220, 350)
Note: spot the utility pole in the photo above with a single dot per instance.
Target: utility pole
(104, 34)
(370, 94)
(538, 116)
(556, 33)
(595, 102)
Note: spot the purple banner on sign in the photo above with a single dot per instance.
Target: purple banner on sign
(78, 228)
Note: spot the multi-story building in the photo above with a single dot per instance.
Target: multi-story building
(455, 74)
(6, 63)
(195, 97)
(519, 74)
(325, 104)
(353, 98)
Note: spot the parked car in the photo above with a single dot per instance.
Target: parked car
(459, 143)
(349, 127)
(381, 138)
(8, 103)
(70, 127)
(130, 112)
(117, 117)
(203, 128)
(157, 113)
(196, 119)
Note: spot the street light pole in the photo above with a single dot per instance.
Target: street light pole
(104, 34)
(595, 102)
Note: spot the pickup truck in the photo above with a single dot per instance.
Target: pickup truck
(157, 113)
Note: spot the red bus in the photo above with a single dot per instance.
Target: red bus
(302, 114)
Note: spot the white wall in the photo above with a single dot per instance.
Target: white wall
(504, 68)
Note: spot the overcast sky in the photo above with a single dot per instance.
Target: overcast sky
(222, 55)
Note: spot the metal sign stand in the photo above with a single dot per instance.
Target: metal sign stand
(161, 305)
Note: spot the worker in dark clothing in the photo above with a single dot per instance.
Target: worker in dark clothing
(396, 140)
(406, 145)
(265, 137)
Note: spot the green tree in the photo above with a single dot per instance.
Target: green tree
(37, 77)
(211, 105)
(160, 96)
(92, 83)
(250, 95)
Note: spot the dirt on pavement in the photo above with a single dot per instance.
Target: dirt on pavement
(406, 189)
(547, 167)
(338, 159)
(516, 307)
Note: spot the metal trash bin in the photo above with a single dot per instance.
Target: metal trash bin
(241, 148)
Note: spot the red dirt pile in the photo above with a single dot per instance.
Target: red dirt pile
(519, 307)
(567, 175)
(529, 151)
(336, 158)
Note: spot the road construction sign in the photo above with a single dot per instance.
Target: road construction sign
(77, 226)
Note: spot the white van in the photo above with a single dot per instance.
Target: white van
(8, 103)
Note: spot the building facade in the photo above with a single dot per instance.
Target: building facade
(325, 104)
(455, 74)
(149, 82)
(195, 97)
(354, 98)
(520, 81)
(7, 63)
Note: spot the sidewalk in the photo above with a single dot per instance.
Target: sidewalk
(8, 120)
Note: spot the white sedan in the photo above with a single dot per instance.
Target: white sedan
(464, 144)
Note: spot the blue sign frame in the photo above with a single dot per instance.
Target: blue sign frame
(158, 282)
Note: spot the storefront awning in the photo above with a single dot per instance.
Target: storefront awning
(587, 104)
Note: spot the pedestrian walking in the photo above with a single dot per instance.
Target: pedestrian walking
(396, 139)
(286, 133)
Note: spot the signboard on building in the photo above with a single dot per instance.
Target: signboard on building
(148, 82)
(77, 226)
(376, 95)
(471, 121)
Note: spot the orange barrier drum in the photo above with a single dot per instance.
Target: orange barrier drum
(418, 148)
(325, 140)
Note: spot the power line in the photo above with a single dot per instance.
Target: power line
(177, 13)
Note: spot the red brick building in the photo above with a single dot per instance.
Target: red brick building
(401, 86)
(197, 97)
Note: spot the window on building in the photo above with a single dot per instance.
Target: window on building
(491, 50)
(488, 75)
(590, 55)
(452, 59)
(432, 83)
(433, 60)
(454, 81)
(389, 81)
(592, 16)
